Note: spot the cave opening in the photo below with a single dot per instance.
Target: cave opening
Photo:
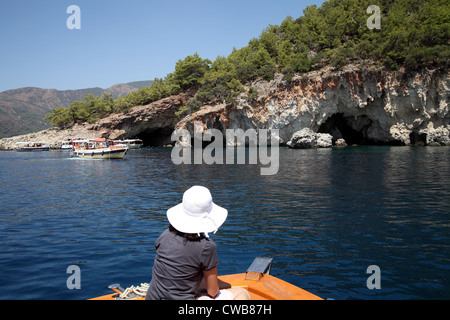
(337, 126)
(156, 137)
(418, 139)
(354, 130)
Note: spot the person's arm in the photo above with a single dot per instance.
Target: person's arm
(221, 284)
(212, 283)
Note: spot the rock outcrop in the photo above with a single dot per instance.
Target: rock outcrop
(361, 104)
(306, 138)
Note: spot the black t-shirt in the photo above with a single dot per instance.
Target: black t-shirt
(178, 267)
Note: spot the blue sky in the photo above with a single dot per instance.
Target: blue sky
(123, 41)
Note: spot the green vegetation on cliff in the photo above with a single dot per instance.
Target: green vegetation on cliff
(413, 34)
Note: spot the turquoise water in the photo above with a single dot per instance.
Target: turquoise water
(325, 218)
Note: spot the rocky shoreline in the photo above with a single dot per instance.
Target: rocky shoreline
(360, 104)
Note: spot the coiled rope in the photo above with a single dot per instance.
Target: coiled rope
(140, 291)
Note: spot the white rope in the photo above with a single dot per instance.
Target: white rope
(141, 291)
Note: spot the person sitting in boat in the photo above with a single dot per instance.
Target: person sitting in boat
(185, 265)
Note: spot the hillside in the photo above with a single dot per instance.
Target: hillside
(23, 110)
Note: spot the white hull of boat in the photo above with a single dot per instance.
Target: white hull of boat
(105, 153)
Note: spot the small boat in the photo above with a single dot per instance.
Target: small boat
(133, 143)
(64, 145)
(256, 280)
(31, 147)
(98, 149)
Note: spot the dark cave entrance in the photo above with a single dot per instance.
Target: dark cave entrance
(354, 130)
(418, 139)
(156, 137)
(338, 127)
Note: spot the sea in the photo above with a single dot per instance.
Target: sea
(345, 223)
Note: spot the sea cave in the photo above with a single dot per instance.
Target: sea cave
(356, 130)
(156, 137)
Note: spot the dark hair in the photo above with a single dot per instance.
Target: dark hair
(187, 236)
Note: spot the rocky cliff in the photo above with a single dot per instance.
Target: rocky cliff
(358, 105)
(154, 123)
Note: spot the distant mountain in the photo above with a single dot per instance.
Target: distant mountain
(23, 110)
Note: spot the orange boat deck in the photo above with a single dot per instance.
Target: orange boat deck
(269, 288)
(266, 287)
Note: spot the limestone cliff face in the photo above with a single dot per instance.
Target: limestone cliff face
(360, 105)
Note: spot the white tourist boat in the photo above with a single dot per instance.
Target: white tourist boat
(98, 149)
(31, 147)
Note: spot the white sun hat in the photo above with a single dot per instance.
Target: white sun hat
(197, 213)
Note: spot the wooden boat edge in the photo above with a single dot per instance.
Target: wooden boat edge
(267, 288)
